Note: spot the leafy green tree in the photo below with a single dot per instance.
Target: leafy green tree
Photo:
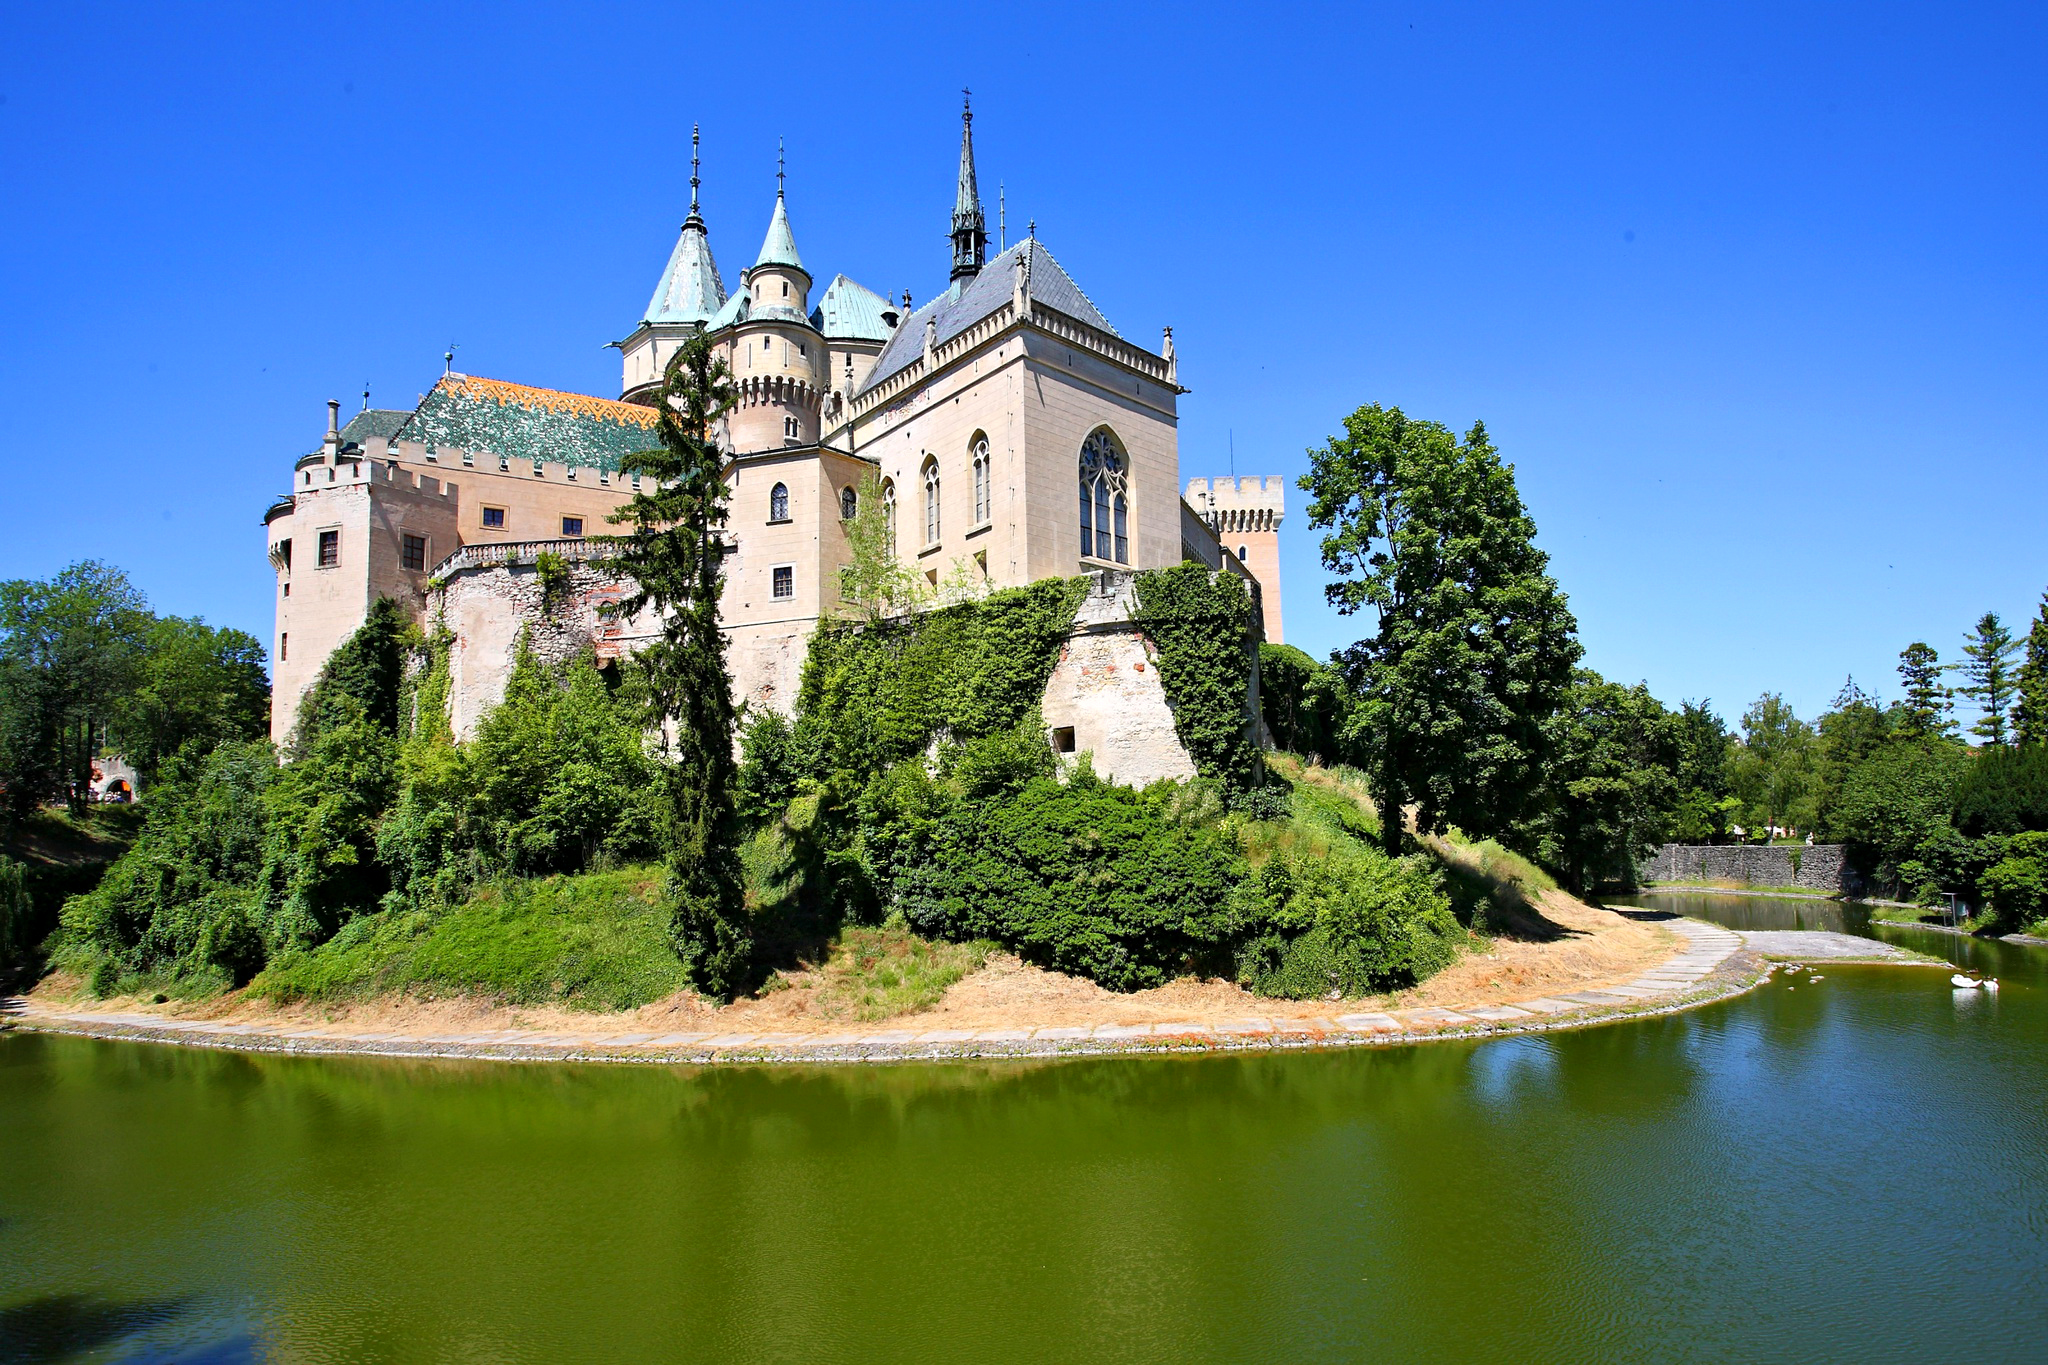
(14, 913)
(71, 651)
(1852, 729)
(1473, 645)
(320, 867)
(2005, 791)
(1772, 769)
(2016, 886)
(1987, 664)
(2030, 684)
(197, 685)
(1611, 781)
(875, 583)
(1925, 712)
(1705, 808)
(1894, 809)
(1304, 703)
(672, 554)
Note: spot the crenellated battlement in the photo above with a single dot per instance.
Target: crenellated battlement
(1239, 506)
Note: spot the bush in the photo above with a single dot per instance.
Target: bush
(2016, 886)
(1349, 921)
(14, 912)
(2004, 791)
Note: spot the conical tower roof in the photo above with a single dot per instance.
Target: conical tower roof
(690, 289)
(779, 246)
(970, 229)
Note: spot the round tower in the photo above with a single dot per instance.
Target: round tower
(777, 356)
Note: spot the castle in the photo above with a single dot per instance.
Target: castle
(1015, 434)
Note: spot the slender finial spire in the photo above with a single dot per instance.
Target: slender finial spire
(778, 168)
(1002, 217)
(693, 170)
(970, 229)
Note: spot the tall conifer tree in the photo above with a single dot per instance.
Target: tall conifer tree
(672, 555)
(1987, 664)
(1473, 647)
(1925, 710)
(2030, 710)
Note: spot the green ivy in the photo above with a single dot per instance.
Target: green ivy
(1200, 622)
(876, 693)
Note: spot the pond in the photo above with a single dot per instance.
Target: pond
(1855, 1167)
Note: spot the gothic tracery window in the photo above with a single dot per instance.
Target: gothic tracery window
(889, 512)
(849, 503)
(931, 501)
(981, 480)
(1105, 505)
(778, 502)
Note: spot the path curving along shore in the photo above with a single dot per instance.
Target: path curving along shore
(1713, 964)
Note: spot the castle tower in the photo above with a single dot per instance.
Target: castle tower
(1245, 514)
(970, 229)
(688, 295)
(777, 355)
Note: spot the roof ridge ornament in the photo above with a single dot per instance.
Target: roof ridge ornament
(695, 217)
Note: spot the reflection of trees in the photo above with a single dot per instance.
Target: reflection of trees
(58, 1327)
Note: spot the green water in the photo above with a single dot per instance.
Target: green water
(1854, 1169)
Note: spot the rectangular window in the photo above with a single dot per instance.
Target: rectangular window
(287, 590)
(1063, 740)
(785, 581)
(284, 646)
(412, 551)
(572, 527)
(494, 518)
(330, 549)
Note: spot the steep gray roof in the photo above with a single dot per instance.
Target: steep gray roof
(779, 246)
(960, 308)
(690, 289)
(370, 425)
(851, 312)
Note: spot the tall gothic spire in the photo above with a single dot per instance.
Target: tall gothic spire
(970, 229)
(690, 289)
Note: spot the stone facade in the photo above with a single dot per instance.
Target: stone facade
(1104, 697)
(1015, 433)
(1818, 867)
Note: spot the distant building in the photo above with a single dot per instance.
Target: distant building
(1015, 433)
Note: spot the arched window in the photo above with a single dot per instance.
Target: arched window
(849, 503)
(790, 431)
(1105, 507)
(981, 479)
(778, 502)
(931, 501)
(889, 512)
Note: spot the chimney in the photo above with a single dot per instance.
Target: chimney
(331, 447)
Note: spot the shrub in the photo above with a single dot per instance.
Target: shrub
(2016, 887)
(14, 912)
(2004, 791)
(1350, 921)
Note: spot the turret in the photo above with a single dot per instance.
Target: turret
(689, 293)
(970, 229)
(777, 355)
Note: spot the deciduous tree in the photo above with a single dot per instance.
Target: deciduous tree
(1473, 644)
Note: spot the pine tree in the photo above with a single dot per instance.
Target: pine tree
(1474, 645)
(2030, 684)
(672, 555)
(1988, 666)
(1925, 710)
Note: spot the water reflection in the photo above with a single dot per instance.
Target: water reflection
(1598, 1194)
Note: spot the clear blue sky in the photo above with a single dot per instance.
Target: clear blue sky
(1752, 296)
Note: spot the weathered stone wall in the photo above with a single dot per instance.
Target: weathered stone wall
(1819, 867)
(1106, 688)
(487, 604)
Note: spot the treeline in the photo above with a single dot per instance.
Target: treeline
(86, 667)
(1923, 813)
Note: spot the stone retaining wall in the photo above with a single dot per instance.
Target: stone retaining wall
(1818, 867)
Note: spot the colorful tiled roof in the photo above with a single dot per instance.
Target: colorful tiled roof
(467, 412)
(961, 307)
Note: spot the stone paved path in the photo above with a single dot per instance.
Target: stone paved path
(1809, 945)
(1679, 981)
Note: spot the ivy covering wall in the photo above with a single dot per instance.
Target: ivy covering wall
(873, 694)
(1200, 622)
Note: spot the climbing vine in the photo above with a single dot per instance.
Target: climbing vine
(1200, 623)
(878, 692)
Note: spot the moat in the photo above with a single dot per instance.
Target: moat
(1812, 1170)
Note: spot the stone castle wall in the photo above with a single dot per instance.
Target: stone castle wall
(1818, 867)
